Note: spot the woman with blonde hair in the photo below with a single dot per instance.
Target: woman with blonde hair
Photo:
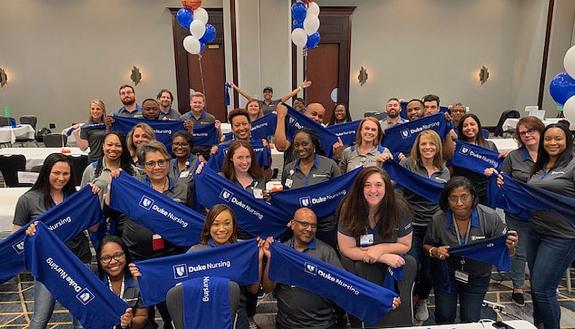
(140, 134)
(87, 136)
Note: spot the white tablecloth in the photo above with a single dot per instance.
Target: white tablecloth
(8, 198)
(35, 155)
(512, 123)
(9, 134)
(517, 324)
(504, 144)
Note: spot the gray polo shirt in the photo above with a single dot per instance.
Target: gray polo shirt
(30, 205)
(137, 113)
(204, 119)
(485, 224)
(170, 115)
(95, 138)
(322, 170)
(351, 158)
(299, 308)
(186, 175)
(560, 180)
(386, 124)
(423, 209)
(268, 108)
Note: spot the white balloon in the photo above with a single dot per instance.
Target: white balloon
(299, 37)
(192, 45)
(569, 109)
(569, 62)
(313, 9)
(197, 28)
(202, 15)
(310, 24)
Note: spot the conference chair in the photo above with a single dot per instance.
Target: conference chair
(10, 165)
(27, 120)
(4, 121)
(175, 303)
(509, 114)
(79, 163)
(55, 140)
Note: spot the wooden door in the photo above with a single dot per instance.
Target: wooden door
(323, 71)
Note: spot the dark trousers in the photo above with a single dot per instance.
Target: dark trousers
(423, 284)
(470, 297)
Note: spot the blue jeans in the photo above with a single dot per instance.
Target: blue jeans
(547, 257)
(423, 282)
(43, 307)
(518, 261)
(470, 299)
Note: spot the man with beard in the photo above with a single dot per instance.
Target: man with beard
(430, 105)
(165, 98)
(299, 308)
(198, 116)
(392, 109)
(415, 109)
(130, 108)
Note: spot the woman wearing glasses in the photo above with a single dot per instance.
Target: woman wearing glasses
(184, 161)
(462, 220)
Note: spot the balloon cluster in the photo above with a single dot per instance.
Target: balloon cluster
(305, 24)
(562, 87)
(195, 19)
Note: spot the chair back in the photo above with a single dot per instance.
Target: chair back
(510, 114)
(55, 140)
(29, 120)
(5, 121)
(175, 303)
(10, 165)
(79, 163)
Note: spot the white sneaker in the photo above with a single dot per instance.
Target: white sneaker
(421, 312)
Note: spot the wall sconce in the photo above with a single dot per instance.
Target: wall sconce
(362, 77)
(483, 74)
(3, 77)
(136, 75)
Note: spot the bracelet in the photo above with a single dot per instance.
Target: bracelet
(431, 251)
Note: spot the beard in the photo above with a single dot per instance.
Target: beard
(128, 101)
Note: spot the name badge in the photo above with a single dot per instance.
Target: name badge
(366, 240)
(477, 237)
(461, 276)
(258, 193)
(184, 174)
(289, 183)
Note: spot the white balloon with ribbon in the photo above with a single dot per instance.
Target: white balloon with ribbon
(202, 15)
(311, 24)
(569, 109)
(192, 45)
(313, 9)
(197, 28)
(569, 62)
(299, 37)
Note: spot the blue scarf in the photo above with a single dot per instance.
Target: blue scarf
(262, 127)
(296, 120)
(176, 223)
(93, 126)
(491, 251)
(322, 198)
(393, 278)
(205, 135)
(346, 131)
(475, 158)
(237, 262)
(254, 216)
(207, 303)
(520, 199)
(422, 186)
(365, 300)
(400, 138)
(162, 128)
(68, 219)
(263, 155)
(70, 281)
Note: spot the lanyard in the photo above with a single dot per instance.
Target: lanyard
(459, 235)
(121, 289)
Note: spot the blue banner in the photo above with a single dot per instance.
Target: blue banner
(296, 120)
(346, 131)
(520, 199)
(422, 186)
(264, 127)
(393, 278)
(263, 155)
(68, 219)
(164, 129)
(205, 135)
(322, 198)
(177, 223)
(70, 282)
(237, 262)
(400, 138)
(207, 303)
(254, 216)
(475, 158)
(359, 297)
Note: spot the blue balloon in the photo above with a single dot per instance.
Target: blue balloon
(562, 87)
(184, 17)
(312, 40)
(298, 11)
(297, 24)
(202, 47)
(209, 35)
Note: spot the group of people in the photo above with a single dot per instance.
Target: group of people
(376, 226)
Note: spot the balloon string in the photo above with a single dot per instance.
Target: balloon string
(202, 79)
(304, 68)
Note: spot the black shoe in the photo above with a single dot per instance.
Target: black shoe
(518, 298)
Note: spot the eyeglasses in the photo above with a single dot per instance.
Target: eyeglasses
(527, 132)
(456, 198)
(108, 259)
(306, 225)
(152, 164)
